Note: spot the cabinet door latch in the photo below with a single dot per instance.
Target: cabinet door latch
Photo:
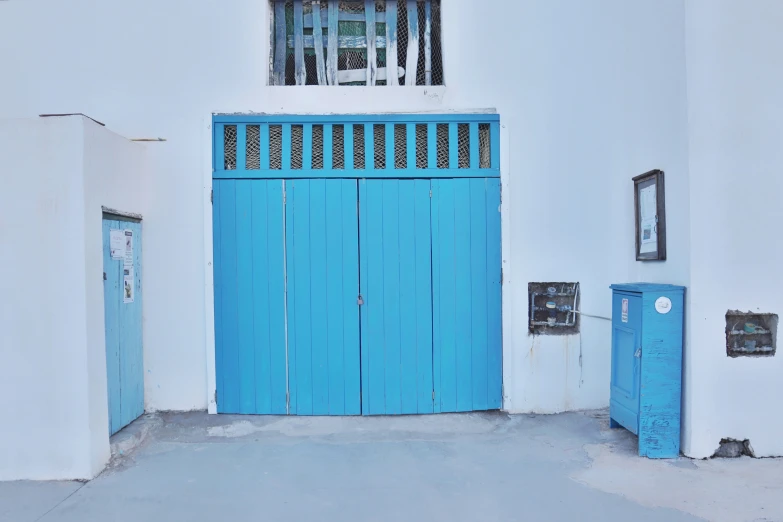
(638, 353)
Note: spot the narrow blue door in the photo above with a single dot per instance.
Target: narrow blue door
(322, 261)
(626, 359)
(122, 296)
(396, 288)
(466, 294)
(250, 348)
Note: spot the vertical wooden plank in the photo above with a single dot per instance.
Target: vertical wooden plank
(300, 72)
(217, 266)
(446, 300)
(320, 315)
(494, 145)
(241, 147)
(474, 145)
(372, 62)
(289, 195)
(423, 295)
(391, 288)
(369, 147)
(228, 246)
(389, 128)
(264, 144)
(364, 291)
(478, 291)
(286, 154)
(432, 145)
(410, 133)
(331, 44)
(453, 145)
(262, 277)
(348, 140)
(275, 261)
(245, 346)
(301, 273)
(375, 303)
(328, 136)
(307, 146)
(413, 43)
(131, 389)
(278, 71)
(427, 42)
(219, 147)
(407, 272)
(336, 305)
(437, 360)
(494, 323)
(391, 44)
(350, 257)
(462, 284)
(112, 299)
(319, 43)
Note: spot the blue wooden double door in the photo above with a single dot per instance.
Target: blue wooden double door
(357, 296)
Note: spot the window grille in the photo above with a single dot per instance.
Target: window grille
(413, 26)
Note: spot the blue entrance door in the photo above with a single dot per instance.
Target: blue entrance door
(626, 359)
(122, 295)
(396, 290)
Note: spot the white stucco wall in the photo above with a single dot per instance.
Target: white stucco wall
(735, 86)
(590, 94)
(56, 173)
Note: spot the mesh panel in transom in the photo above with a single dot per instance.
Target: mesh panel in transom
(484, 146)
(463, 145)
(297, 146)
(443, 145)
(275, 147)
(230, 147)
(318, 147)
(421, 146)
(400, 146)
(338, 147)
(253, 148)
(379, 139)
(358, 146)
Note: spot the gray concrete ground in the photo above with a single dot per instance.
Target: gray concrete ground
(472, 467)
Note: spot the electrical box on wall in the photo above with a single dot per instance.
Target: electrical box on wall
(750, 335)
(553, 308)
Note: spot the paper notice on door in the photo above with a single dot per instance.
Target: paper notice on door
(128, 285)
(624, 313)
(128, 239)
(648, 232)
(117, 244)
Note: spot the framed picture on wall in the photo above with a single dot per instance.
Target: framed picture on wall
(650, 209)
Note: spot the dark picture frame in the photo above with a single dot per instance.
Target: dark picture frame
(650, 215)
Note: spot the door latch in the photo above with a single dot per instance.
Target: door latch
(359, 300)
(638, 353)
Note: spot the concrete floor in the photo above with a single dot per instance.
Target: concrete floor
(472, 467)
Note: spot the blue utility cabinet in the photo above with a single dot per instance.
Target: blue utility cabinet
(646, 380)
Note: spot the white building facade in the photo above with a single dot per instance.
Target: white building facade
(589, 95)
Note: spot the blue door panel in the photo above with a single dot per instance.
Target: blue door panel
(249, 280)
(626, 361)
(467, 355)
(323, 287)
(123, 329)
(396, 290)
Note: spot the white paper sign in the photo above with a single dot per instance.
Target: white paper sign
(647, 220)
(624, 314)
(128, 239)
(128, 284)
(117, 244)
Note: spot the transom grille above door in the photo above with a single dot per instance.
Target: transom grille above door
(368, 146)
